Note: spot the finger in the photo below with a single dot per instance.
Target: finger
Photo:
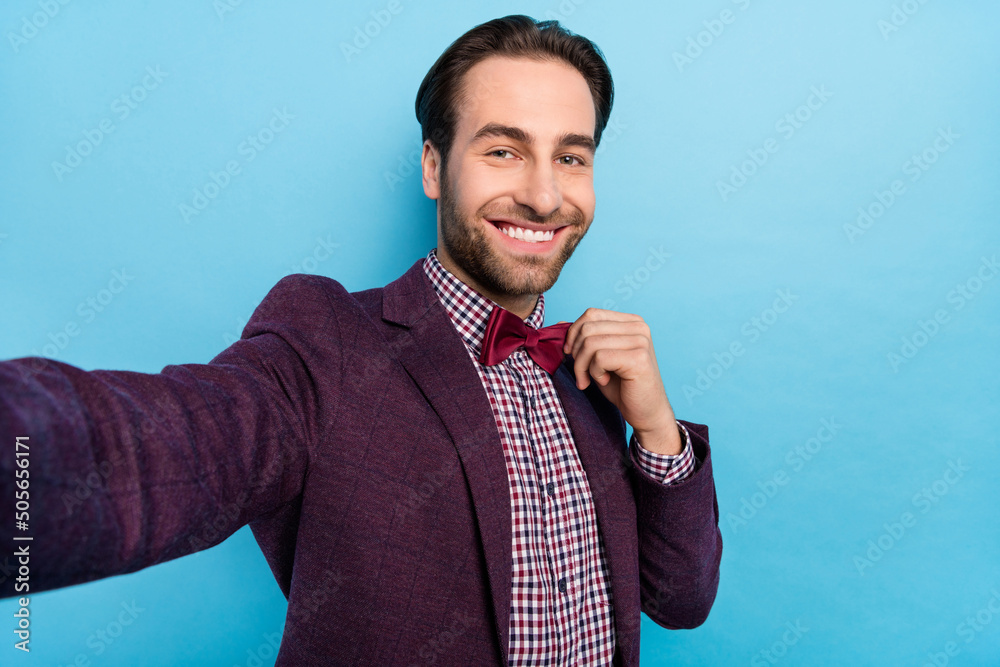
(584, 360)
(607, 328)
(581, 328)
(594, 315)
(591, 345)
(607, 361)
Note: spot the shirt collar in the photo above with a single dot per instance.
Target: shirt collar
(468, 309)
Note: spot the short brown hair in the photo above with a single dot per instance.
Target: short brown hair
(516, 35)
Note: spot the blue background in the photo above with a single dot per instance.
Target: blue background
(333, 194)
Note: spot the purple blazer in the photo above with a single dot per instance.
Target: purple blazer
(353, 434)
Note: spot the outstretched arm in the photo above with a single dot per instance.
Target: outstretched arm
(126, 470)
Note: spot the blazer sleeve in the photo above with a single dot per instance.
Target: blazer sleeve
(680, 545)
(126, 470)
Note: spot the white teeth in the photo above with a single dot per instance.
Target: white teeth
(528, 235)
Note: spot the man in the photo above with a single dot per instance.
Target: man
(432, 476)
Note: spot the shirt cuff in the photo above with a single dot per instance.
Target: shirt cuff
(665, 468)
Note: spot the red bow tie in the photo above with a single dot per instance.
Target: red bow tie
(505, 332)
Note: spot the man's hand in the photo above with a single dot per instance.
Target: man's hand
(617, 351)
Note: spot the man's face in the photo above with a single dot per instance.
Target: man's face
(517, 193)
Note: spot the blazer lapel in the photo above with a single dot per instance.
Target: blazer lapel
(434, 355)
(604, 458)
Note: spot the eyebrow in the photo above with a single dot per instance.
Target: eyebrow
(491, 130)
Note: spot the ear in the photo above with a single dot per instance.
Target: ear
(430, 167)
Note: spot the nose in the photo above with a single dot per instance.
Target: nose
(540, 189)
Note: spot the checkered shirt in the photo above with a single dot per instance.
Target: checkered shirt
(560, 611)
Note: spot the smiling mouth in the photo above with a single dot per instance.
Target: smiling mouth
(524, 233)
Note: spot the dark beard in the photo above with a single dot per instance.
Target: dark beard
(467, 244)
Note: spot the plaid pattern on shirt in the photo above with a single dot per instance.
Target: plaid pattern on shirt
(561, 610)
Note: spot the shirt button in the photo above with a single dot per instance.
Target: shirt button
(562, 585)
(551, 488)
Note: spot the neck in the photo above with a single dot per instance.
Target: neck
(519, 304)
